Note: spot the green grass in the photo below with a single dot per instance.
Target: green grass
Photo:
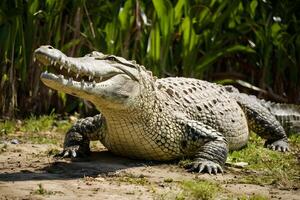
(266, 167)
(135, 180)
(40, 130)
(269, 167)
(200, 189)
(192, 39)
(208, 190)
(38, 124)
(3, 148)
(42, 191)
(294, 140)
(7, 127)
(253, 197)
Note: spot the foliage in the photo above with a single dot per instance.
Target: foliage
(42, 191)
(273, 167)
(40, 130)
(255, 41)
(253, 197)
(200, 189)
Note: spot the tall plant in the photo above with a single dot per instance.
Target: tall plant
(222, 40)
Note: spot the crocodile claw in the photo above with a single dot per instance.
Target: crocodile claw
(279, 145)
(205, 166)
(72, 152)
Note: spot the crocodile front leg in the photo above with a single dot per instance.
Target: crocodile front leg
(78, 137)
(211, 147)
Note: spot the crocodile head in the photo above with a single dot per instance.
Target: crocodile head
(106, 80)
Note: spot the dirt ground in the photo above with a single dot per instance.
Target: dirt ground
(29, 171)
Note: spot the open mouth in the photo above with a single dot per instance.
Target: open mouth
(63, 68)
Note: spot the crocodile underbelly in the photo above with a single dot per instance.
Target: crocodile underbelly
(131, 140)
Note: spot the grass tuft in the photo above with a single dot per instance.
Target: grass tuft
(140, 180)
(42, 191)
(269, 167)
(7, 127)
(34, 124)
(38, 130)
(253, 197)
(200, 189)
(3, 148)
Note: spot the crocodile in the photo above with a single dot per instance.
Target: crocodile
(144, 117)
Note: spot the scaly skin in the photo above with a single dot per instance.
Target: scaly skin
(156, 119)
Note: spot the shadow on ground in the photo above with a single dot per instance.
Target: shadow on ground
(98, 163)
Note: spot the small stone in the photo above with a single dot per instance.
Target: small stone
(14, 141)
(100, 179)
(238, 164)
(73, 119)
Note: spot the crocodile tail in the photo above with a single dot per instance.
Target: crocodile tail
(287, 114)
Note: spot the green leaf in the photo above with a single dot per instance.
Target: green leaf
(125, 15)
(33, 6)
(70, 44)
(275, 28)
(111, 37)
(154, 44)
(189, 36)
(253, 6)
(50, 3)
(165, 13)
(212, 57)
(178, 11)
(162, 7)
(63, 97)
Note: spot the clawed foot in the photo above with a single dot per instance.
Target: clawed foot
(73, 152)
(205, 166)
(279, 145)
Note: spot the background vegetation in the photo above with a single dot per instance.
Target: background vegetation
(246, 43)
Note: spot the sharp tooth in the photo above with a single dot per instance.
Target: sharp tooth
(61, 67)
(90, 77)
(69, 70)
(51, 62)
(101, 78)
(77, 75)
(34, 59)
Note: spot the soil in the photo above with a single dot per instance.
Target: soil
(29, 171)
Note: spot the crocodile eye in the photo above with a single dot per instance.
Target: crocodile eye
(111, 58)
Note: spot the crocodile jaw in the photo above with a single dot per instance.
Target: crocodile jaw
(98, 93)
(88, 78)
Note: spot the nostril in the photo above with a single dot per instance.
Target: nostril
(49, 47)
